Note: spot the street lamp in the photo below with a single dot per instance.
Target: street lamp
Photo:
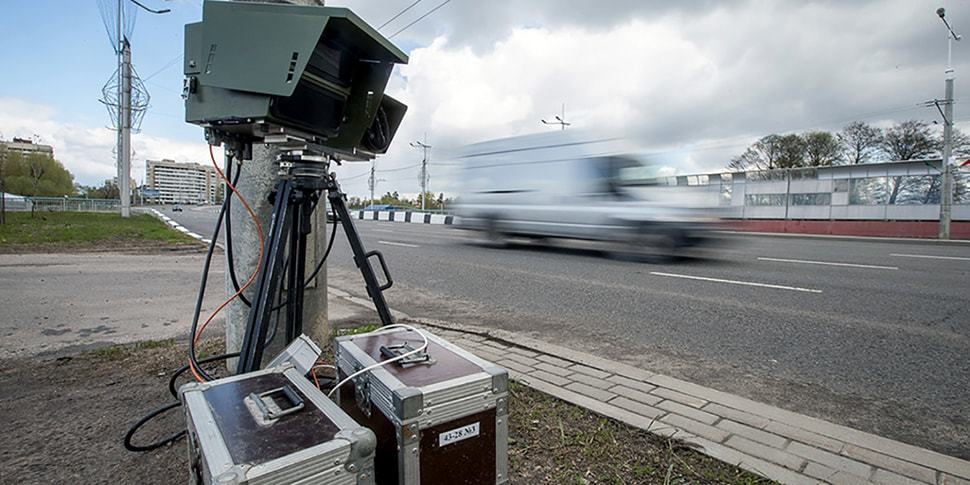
(946, 195)
(561, 121)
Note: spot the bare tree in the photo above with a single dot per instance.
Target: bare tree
(960, 142)
(762, 154)
(909, 140)
(821, 148)
(36, 165)
(860, 142)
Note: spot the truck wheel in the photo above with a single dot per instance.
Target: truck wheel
(494, 237)
(649, 244)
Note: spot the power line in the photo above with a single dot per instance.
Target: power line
(399, 168)
(166, 66)
(406, 27)
(352, 177)
(398, 14)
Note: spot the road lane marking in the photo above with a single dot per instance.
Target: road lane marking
(391, 243)
(735, 282)
(826, 263)
(955, 258)
(383, 230)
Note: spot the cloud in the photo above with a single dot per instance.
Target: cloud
(694, 82)
(88, 151)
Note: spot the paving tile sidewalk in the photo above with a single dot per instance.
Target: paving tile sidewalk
(781, 445)
(778, 444)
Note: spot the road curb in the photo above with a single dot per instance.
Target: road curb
(905, 240)
(178, 227)
(773, 442)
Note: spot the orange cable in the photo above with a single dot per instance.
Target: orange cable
(259, 260)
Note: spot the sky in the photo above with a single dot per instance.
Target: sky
(694, 82)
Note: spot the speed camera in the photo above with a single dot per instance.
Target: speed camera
(275, 72)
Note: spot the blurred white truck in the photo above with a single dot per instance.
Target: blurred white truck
(577, 186)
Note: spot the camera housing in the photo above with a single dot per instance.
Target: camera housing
(291, 74)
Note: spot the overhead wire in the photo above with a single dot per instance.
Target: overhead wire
(398, 14)
(408, 26)
(164, 67)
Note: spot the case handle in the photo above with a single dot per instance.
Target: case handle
(296, 402)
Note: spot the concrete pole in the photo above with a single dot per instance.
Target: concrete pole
(124, 156)
(424, 180)
(946, 191)
(371, 182)
(119, 121)
(257, 180)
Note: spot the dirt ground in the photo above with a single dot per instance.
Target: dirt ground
(65, 418)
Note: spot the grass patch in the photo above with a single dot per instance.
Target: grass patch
(80, 230)
(117, 352)
(552, 441)
(340, 332)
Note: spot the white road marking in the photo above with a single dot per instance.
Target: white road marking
(399, 244)
(955, 258)
(735, 282)
(383, 230)
(825, 263)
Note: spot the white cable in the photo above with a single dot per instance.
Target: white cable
(388, 361)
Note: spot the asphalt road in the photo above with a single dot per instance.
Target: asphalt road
(870, 334)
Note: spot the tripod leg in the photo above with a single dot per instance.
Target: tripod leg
(300, 228)
(374, 289)
(251, 352)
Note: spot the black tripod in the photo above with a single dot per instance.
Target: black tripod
(303, 178)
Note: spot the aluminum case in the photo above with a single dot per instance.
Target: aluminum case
(233, 439)
(439, 423)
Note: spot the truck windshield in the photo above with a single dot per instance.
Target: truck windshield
(629, 171)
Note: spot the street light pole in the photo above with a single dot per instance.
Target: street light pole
(561, 121)
(946, 192)
(424, 168)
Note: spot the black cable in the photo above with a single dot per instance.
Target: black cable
(205, 278)
(152, 415)
(181, 370)
(141, 422)
(230, 259)
(333, 232)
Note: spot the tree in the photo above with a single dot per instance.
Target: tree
(761, 155)
(821, 148)
(860, 142)
(37, 175)
(909, 140)
(960, 143)
(791, 152)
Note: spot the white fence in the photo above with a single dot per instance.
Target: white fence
(885, 191)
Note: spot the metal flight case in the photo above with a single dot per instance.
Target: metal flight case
(273, 427)
(441, 417)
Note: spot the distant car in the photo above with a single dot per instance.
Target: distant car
(176, 208)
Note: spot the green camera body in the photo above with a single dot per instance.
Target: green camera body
(281, 73)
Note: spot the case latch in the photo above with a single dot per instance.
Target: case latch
(362, 392)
